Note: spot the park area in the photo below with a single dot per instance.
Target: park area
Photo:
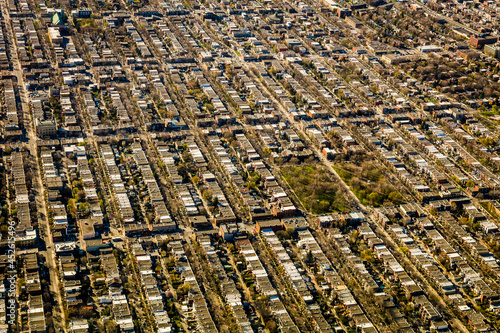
(315, 188)
(368, 183)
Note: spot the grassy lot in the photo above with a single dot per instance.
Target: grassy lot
(315, 188)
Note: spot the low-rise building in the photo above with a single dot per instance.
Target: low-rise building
(45, 127)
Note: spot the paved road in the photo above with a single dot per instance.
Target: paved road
(37, 184)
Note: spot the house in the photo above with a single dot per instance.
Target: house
(489, 227)
(328, 221)
(415, 7)
(353, 22)
(82, 12)
(329, 153)
(94, 245)
(231, 230)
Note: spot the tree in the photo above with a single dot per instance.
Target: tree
(487, 141)
(106, 311)
(272, 326)
(207, 195)
(396, 198)
(84, 206)
(262, 307)
(310, 257)
(183, 289)
(375, 198)
(252, 186)
(323, 206)
(87, 313)
(111, 327)
(433, 211)
(209, 107)
(72, 209)
(75, 192)
(192, 85)
(470, 183)
(367, 255)
(282, 234)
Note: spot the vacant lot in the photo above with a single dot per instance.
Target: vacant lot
(315, 188)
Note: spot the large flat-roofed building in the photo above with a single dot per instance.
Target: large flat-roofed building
(492, 50)
(45, 127)
(479, 42)
(55, 35)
